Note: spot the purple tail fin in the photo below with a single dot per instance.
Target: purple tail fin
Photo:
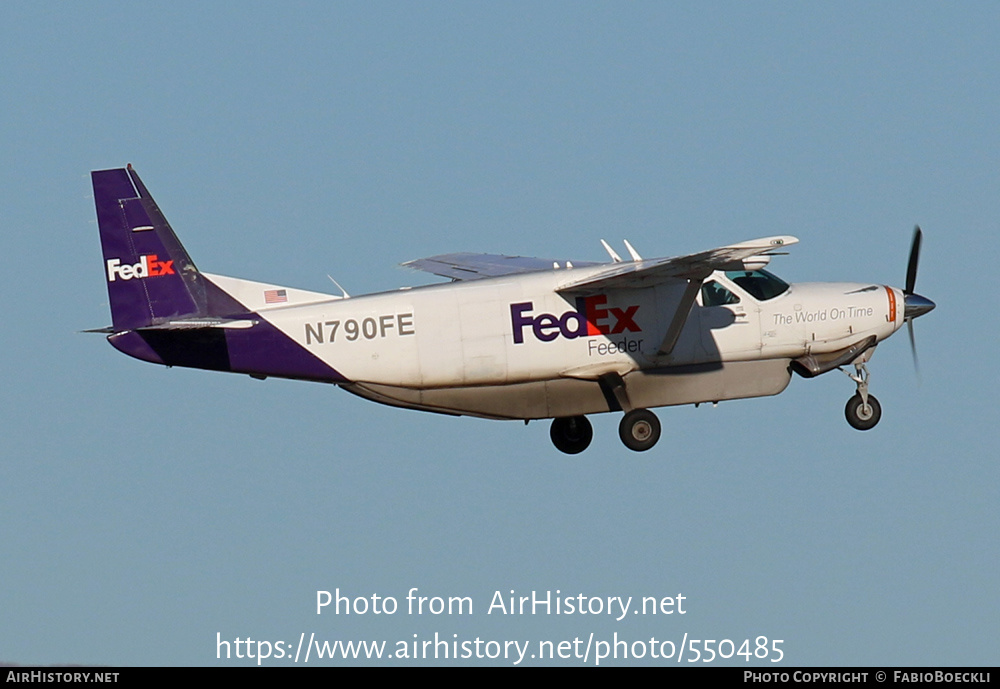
(151, 278)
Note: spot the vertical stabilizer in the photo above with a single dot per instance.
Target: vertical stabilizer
(150, 276)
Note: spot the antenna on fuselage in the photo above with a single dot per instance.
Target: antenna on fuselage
(346, 295)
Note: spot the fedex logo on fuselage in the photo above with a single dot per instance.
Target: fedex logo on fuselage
(591, 317)
(149, 265)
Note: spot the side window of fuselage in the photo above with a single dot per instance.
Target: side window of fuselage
(714, 294)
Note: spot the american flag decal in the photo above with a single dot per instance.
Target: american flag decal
(275, 296)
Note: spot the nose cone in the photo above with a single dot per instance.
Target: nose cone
(916, 306)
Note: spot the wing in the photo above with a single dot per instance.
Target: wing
(746, 255)
(639, 273)
(464, 266)
(693, 269)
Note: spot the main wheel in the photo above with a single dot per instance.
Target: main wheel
(571, 434)
(862, 416)
(639, 429)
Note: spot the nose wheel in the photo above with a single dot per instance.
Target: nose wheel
(863, 410)
(862, 415)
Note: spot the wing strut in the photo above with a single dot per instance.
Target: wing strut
(680, 316)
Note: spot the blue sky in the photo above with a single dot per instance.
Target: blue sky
(147, 510)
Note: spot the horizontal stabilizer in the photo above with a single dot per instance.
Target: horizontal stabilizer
(202, 323)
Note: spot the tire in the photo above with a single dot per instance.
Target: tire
(859, 416)
(639, 430)
(572, 434)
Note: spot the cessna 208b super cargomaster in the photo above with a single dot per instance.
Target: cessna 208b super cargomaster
(508, 337)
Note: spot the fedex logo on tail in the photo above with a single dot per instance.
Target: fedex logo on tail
(149, 265)
(590, 318)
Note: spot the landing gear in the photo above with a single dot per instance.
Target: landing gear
(862, 411)
(639, 429)
(861, 415)
(571, 434)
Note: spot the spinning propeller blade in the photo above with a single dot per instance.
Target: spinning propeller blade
(911, 268)
(915, 305)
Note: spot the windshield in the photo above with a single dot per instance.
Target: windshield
(760, 284)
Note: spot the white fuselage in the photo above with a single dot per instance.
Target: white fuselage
(513, 347)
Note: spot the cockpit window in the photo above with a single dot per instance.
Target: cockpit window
(760, 284)
(714, 294)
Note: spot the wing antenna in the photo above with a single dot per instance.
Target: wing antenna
(611, 252)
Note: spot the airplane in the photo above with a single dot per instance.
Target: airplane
(508, 337)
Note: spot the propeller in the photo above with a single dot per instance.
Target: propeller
(915, 305)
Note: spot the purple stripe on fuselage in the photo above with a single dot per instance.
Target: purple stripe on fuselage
(265, 350)
(132, 343)
(260, 350)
